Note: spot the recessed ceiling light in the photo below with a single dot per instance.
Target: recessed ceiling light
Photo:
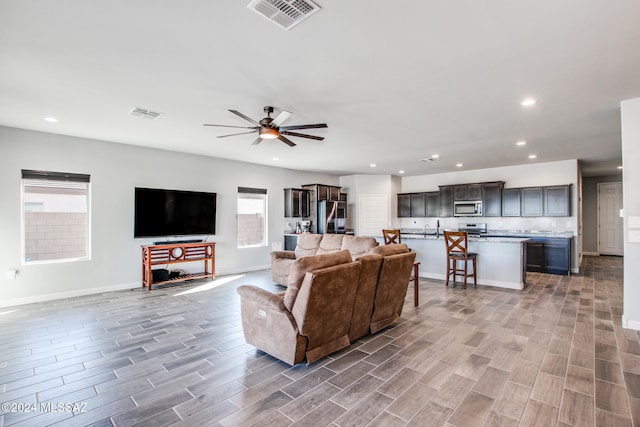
(372, 165)
(435, 156)
(521, 143)
(401, 172)
(532, 156)
(275, 158)
(528, 102)
(458, 165)
(50, 119)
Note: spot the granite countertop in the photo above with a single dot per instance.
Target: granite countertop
(492, 234)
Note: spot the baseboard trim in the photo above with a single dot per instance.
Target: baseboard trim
(591, 253)
(92, 291)
(630, 324)
(70, 294)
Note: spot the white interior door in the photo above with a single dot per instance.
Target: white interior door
(372, 214)
(609, 221)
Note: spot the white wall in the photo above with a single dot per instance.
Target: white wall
(357, 185)
(630, 110)
(116, 169)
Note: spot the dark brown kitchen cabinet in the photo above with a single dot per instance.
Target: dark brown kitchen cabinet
(418, 205)
(492, 199)
(532, 201)
(446, 201)
(467, 192)
(549, 255)
(329, 193)
(404, 205)
(296, 203)
(557, 200)
(433, 204)
(511, 201)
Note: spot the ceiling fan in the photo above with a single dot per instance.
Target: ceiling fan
(270, 128)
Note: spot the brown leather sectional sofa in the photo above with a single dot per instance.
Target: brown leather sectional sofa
(330, 302)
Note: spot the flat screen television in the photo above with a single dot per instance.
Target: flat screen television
(163, 213)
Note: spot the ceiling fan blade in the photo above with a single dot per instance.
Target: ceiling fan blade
(286, 141)
(280, 118)
(235, 134)
(257, 141)
(319, 125)
(229, 126)
(302, 135)
(249, 119)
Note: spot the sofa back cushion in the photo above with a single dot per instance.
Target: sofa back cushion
(330, 243)
(386, 250)
(359, 245)
(304, 264)
(308, 244)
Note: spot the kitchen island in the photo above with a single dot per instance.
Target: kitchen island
(501, 261)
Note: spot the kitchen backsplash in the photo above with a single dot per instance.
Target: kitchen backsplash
(555, 224)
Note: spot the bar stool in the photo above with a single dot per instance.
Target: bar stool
(392, 236)
(457, 250)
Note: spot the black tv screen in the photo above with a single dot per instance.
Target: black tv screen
(161, 213)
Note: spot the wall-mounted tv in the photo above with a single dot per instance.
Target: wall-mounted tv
(160, 213)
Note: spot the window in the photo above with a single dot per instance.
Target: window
(55, 216)
(252, 217)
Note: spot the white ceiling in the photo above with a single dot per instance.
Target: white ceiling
(395, 81)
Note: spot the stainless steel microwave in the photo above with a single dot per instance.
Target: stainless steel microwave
(467, 208)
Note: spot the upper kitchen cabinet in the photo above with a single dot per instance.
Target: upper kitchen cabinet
(418, 205)
(467, 192)
(446, 200)
(433, 204)
(532, 201)
(324, 192)
(557, 200)
(404, 205)
(296, 203)
(492, 198)
(511, 201)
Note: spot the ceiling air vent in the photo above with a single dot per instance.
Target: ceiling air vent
(144, 113)
(284, 13)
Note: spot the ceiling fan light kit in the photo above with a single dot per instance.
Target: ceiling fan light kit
(270, 128)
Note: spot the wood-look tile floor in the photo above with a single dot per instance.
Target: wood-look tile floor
(554, 354)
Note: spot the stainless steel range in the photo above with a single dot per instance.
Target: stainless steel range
(473, 229)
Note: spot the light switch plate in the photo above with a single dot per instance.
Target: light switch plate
(634, 236)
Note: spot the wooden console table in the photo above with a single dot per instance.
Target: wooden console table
(178, 253)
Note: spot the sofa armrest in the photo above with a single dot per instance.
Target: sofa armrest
(282, 254)
(264, 298)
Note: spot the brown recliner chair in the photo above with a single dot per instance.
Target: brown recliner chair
(312, 318)
(393, 282)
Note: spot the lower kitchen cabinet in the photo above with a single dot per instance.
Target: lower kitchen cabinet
(549, 255)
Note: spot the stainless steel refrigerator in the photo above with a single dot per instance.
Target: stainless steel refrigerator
(332, 217)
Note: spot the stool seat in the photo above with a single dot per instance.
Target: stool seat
(457, 251)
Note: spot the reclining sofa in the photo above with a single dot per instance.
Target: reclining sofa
(330, 302)
(317, 244)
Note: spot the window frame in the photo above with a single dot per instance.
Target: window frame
(255, 194)
(34, 177)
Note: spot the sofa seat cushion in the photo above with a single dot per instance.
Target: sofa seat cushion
(280, 270)
(358, 245)
(307, 245)
(330, 243)
(304, 264)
